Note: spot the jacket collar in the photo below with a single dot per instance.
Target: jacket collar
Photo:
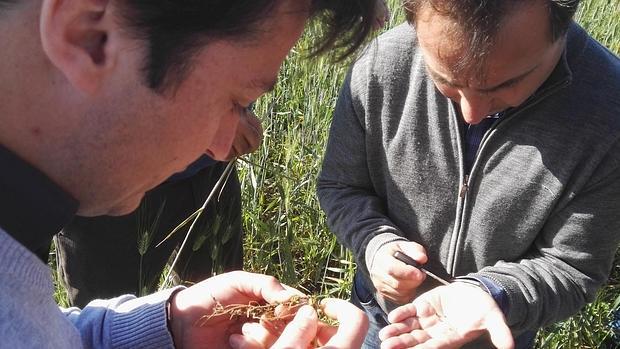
(563, 73)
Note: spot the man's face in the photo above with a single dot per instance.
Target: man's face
(156, 135)
(522, 58)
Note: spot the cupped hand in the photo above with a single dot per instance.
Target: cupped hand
(393, 279)
(447, 317)
(189, 306)
(306, 331)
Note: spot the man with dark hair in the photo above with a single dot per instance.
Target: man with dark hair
(101, 257)
(102, 101)
(481, 139)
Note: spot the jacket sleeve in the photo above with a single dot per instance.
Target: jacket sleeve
(124, 322)
(345, 190)
(572, 256)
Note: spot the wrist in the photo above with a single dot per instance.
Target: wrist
(172, 314)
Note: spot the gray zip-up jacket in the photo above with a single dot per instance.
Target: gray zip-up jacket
(539, 213)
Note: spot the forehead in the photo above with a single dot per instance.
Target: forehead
(523, 37)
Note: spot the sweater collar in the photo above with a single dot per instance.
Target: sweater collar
(562, 74)
(32, 207)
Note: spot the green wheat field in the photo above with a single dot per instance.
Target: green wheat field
(286, 232)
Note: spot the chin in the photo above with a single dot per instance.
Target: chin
(125, 207)
(121, 211)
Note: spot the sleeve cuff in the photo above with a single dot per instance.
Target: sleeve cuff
(142, 323)
(498, 293)
(376, 243)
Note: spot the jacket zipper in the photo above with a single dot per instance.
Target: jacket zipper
(453, 253)
(465, 187)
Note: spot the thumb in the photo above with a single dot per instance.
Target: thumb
(499, 333)
(413, 250)
(301, 331)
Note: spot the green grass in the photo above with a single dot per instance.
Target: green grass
(602, 19)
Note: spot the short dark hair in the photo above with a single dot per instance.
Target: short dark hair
(6, 3)
(480, 20)
(176, 30)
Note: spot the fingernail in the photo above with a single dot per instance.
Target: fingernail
(306, 311)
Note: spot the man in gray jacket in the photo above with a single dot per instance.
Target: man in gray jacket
(103, 100)
(481, 139)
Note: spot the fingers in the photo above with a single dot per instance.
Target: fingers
(401, 313)
(404, 330)
(353, 324)
(398, 328)
(275, 292)
(238, 341)
(260, 287)
(413, 250)
(386, 262)
(401, 295)
(446, 320)
(406, 340)
(254, 336)
(305, 327)
(394, 279)
(300, 332)
(236, 287)
(325, 332)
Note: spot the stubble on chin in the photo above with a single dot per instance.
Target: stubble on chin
(119, 208)
(127, 206)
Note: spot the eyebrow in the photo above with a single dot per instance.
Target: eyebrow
(499, 86)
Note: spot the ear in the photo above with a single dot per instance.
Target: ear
(76, 36)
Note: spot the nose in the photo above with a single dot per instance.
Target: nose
(226, 132)
(475, 106)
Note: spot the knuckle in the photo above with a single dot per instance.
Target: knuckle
(270, 280)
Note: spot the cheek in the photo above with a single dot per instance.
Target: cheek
(197, 126)
(181, 140)
(516, 97)
(524, 90)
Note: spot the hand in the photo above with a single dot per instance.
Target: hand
(382, 14)
(190, 305)
(447, 317)
(248, 137)
(305, 329)
(393, 279)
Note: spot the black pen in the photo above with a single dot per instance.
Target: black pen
(412, 262)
